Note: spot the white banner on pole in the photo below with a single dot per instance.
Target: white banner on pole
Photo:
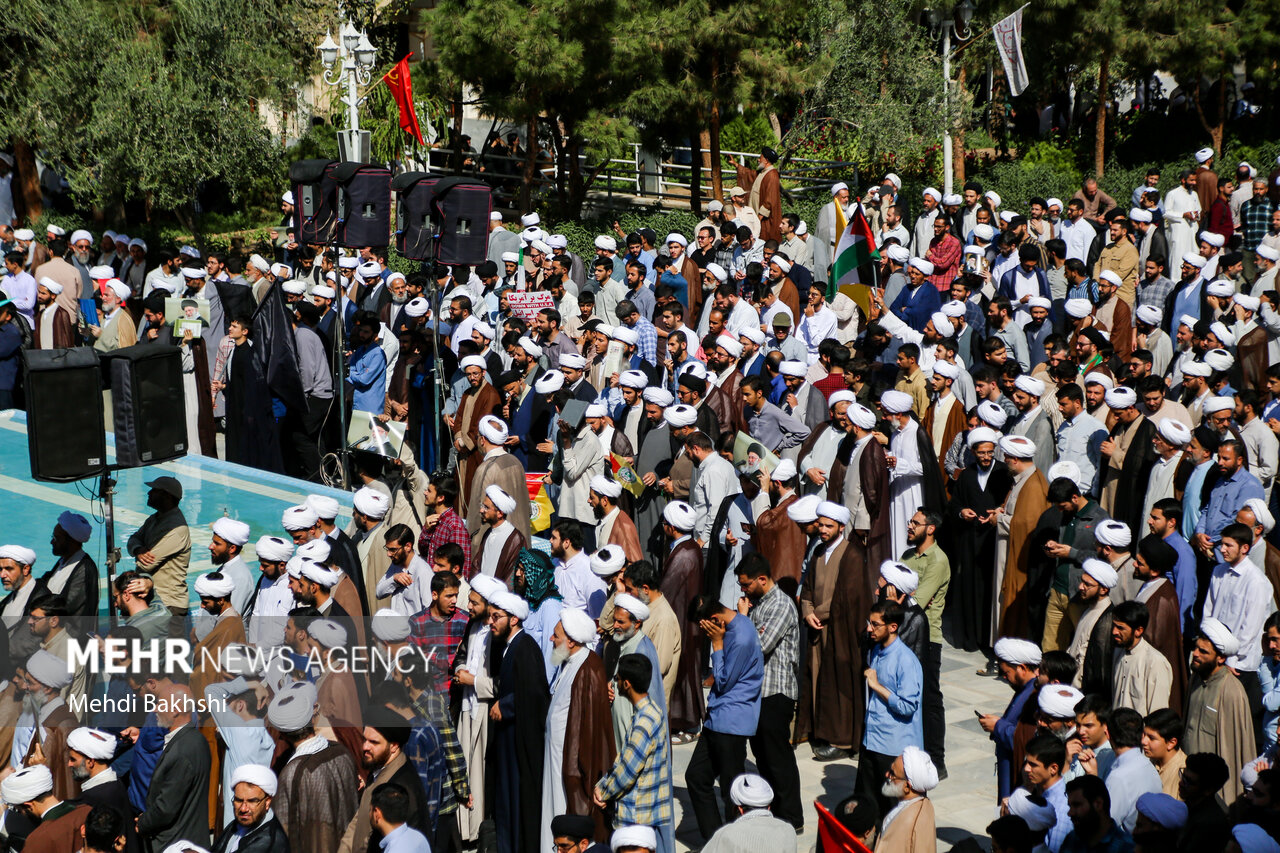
(1009, 42)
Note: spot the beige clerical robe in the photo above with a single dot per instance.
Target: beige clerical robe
(1218, 720)
(504, 470)
(910, 830)
(1141, 679)
(663, 628)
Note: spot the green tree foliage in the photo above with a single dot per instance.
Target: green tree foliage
(148, 99)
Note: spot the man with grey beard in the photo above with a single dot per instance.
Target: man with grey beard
(627, 638)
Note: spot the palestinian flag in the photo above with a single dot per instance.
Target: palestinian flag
(855, 248)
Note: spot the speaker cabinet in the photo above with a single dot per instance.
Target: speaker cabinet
(65, 436)
(415, 215)
(315, 200)
(364, 205)
(454, 209)
(149, 405)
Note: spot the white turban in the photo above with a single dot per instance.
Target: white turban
(611, 559)
(942, 323)
(633, 836)
(1059, 701)
(300, 517)
(680, 416)
(834, 511)
(417, 307)
(316, 573)
(804, 510)
(78, 235)
(754, 334)
(1121, 398)
(255, 774)
(260, 263)
(494, 429)
(390, 626)
(93, 743)
(119, 288)
(751, 791)
(1220, 636)
(511, 604)
(993, 197)
(1096, 378)
(1260, 512)
(1248, 303)
(783, 471)
(324, 291)
(487, 586)
(595, 410)
(660, 397)
(933, 194)
(76, 526)
(485, 330)
(24, 234)
(981, 435)
(371, 503)
(1219, 359)
(1110, 276)
(48, 669)
(952, 200)
(634, 378)
(231, 531)
(606, 486)
(678, 239)
(1102, 572)
(679, 515)
(1078, 308)
(918, 767)
(984, 232)
(285, 271)
(1037, 817)
(1162, 809)
(1138, 214)
(896, 402)
(1267, 252)
(1017, 652)
(1204, 155)
(1068, 469)
(1174, 432)
(607, 243)
(1213, 405)
(502, 501)
(861, 416)
(50, 285)
(1196, 368)
(578, 626)
(837, 186)
(526, 343)
(1222, 333)
(29, 783)
(1194, 259)
(328, 633)
(1115, 534)
(317, 550)
(1017, 447)
(718, 271)
(925, 267)
(1213, 239)
(510, 258)
(573, 361)
(293, 288)
(214, 585)
(991, 412)
(1029, 384)
(529, 220)
(370, 269)
(1149, 314)
(792, 368)
(841, 396)
(781, 262)
(549, 382)
(637, 608)
(900, 576)
(1040, 302)
(293, 707)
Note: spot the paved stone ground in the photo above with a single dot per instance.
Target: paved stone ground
(964, 801)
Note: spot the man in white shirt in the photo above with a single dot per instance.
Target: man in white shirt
(817, 324)
(1077, 232)
(1241, 598)
(713, 480)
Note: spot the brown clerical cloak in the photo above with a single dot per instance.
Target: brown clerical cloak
(1032, 501)
(59, 829)
(588, 742)
(476, 403)
(681, 581)
(832, 703)
(782, 542)
(59, 725)
(506, 472)
(1164, 633)
(316, 798)
(873, 471)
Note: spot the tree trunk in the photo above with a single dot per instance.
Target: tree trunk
(530, 161)
(957, 136)
(577, 190)
(717, 179)
(28, 201)
(1100, 128)
(695, 172)
(776, 124)
(1216, 131)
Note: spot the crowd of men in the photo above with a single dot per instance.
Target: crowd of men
(772, 502)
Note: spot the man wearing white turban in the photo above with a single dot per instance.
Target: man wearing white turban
(224, 626)
(59, 823)
(497, 468)
(755, 826)
(909, 826)
(479, 401)
(255, 827)
(578, 726)
(915, 480)
(90, 754)
(1218, 718)
(498, 547)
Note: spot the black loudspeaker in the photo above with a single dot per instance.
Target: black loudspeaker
(455, 209)
(364, 205)
(65, 434)
(315, 196)
(148, 404)
(415, 222)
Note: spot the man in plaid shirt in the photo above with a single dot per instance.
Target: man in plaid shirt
(1255, 222)
(443, 524)
(639, 784)
(438, 630)
(426, 704)
(778, 621)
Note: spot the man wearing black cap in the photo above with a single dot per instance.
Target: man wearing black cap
(766, 193)
(572, 833)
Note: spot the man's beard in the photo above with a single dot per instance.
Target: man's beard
(559, 654)
(80, 773)
(621, 635)
(82, 257)
(399, 299)
(1063, 734)
(893, 790)
(33, 702)
(598, 511)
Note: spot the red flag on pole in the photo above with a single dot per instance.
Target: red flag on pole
(401, 86)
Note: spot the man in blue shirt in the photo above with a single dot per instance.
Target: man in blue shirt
(1019, 662)
(1165, 521)
(368, 365)
(733, 709)
(895, 682)
(1235, 486)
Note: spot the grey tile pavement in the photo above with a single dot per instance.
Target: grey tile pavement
(964, 802)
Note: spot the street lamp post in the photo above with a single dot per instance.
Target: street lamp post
(349, 62)
(958, 24)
